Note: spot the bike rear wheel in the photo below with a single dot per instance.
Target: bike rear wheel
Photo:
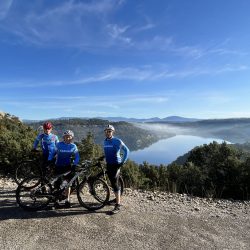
(27, 169)
(112, 198)
(33, 193)
(93, 193)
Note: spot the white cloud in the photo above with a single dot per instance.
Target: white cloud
(133, 75)
(155, 44)
(5, 5)
(169, 45)
(68, 24)
(74, 102)
(147, 26)
(117, 33)
(90, 25)
(211, 105)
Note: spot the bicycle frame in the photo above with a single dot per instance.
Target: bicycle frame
(83, 172)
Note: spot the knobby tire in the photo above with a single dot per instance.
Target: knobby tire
(93, 193)
(106, 179)
(26, 169)
(33, 193)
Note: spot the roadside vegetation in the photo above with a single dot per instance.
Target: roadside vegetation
(213, 170)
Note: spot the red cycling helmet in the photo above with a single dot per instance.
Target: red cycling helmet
(47, 125)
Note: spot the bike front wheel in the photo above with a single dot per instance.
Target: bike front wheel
(33, 194)
(93, 193)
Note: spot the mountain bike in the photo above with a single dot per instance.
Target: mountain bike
(103, 175)
(35, 193)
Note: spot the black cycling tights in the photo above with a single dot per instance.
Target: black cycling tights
(113, 172)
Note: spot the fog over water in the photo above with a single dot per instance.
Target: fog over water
(177, 142)
(164, 128)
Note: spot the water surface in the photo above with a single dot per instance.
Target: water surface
(167, 150)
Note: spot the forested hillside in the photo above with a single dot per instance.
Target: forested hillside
(135, 138)
(16, 140)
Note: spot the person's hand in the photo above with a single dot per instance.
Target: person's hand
(73, 168)
(34, 150)
(76, 168)
(101, 158)
(50, 163)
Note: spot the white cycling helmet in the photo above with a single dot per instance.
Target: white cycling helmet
(68, 132)
(109, 127)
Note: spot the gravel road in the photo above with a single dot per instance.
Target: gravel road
(148, 220)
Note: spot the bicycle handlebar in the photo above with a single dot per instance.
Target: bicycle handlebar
(90, 163)
(34, 150)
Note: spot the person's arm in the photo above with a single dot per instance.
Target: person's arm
(36, 142)
(52, 153)
(56, 140)
(125, 152)
(77, 157)
(52, 148)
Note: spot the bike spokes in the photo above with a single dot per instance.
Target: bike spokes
(93, 194)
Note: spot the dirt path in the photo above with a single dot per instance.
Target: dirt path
(148, 221)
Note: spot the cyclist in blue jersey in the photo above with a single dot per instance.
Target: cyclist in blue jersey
(67, 157)
(48, 143)
(112, 149)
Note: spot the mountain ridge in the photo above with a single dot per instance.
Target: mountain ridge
(125, 119)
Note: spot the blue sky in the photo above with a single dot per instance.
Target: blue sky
(130, 58)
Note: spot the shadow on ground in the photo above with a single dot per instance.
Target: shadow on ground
(10, 210)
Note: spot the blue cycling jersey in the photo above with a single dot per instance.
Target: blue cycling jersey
(112, 150)
(48, 144)
(64, 152)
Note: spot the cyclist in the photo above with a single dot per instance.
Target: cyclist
(48, 142)
(66, 152)
(112, 150)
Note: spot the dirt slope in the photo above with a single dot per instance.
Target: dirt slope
(148, 221)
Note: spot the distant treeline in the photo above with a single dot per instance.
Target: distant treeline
(213, 170)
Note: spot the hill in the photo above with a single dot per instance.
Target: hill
(152, 119)
(135, 138)
(233, 130)
(149, 220)
(141, 133)
(131, 120)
